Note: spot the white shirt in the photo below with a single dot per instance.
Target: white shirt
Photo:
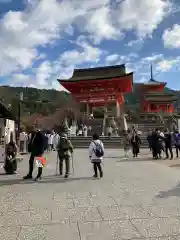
(92, 149)
(22, 136)
(56, 139)
(50, 138)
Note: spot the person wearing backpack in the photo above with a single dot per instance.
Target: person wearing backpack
(96, 153)
(65, 150)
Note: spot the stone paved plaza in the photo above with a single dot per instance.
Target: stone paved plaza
(136, 199)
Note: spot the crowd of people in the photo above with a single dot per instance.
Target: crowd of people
(39, 142)
(162, 143)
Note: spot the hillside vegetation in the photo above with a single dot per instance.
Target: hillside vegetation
(36, 101)
(46, 102)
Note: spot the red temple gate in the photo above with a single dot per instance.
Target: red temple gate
(97, 87)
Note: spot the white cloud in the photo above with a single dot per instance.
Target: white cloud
(138, 43)
(112, 58)
(152, 58)
(144, 16)
(171, 37)
(100, 25)
(44, 22)
(46, 75)
(75, 57)
(167, 64)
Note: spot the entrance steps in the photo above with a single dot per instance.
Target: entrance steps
(113, 142)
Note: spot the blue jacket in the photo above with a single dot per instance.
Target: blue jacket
(177, 139)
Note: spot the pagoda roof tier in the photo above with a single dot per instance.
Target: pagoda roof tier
(150, 86)
(113, 85)
(160, 94)
(98, 73)
(161, 99)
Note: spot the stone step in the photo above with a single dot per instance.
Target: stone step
(114, 142)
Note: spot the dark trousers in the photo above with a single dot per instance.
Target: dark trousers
(31, 167)
(154, 152)
(61, 160)
(177, 150)
(22, 146)
(167, 150)
(97, 166)
(31, 164)
(135, 149)
(39, 172)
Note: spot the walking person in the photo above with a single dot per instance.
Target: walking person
(126, 143)
(177, 142)
(149, 139)
(37, 146)
(65, 150)
(135, 142)
(168, 144)
(96, 153)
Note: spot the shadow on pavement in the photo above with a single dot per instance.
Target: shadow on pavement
(174, 192)
(46, 179)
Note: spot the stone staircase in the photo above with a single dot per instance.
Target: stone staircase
(113, 142)
(96, 124)
(144, 127)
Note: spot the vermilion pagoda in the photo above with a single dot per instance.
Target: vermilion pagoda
(99, 86)
(154, 99)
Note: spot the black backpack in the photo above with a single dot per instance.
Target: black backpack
(63, 144)
(98, 150)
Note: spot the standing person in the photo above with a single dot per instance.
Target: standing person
(52, 140)
(161, 144)
(168, 144)
(85, 130)
(135, 142)
(149, 139)
(96, 153)
(36, 147)
(55, 141)
(49, 141)
(177, 142)
(109, 131)
(155, 143)
(126, 143)
(65, 150)
(22, 139)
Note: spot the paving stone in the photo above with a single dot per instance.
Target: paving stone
(123, 212)
(9, 233)
(166, 210)
(84, 202)
(124, 204)
(47, 232)
(108, 230)
(25, 218)
(76, 214)
(157, 227)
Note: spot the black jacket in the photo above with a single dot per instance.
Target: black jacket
(168, 139)
(37, 144)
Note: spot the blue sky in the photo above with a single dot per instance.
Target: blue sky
(41, 41)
